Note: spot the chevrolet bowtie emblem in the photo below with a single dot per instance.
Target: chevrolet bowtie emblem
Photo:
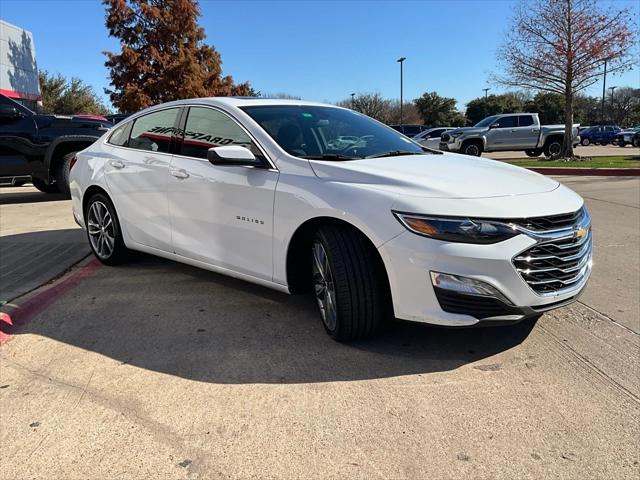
(580, 232)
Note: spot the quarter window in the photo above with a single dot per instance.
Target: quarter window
(153, 132)
(207, 128)
(120, 135)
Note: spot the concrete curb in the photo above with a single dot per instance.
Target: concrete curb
(592, 172)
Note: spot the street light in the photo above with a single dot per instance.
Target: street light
(485, 92)
(352, 96)
(604, 85)
(400, 61)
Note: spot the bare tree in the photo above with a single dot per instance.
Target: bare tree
(561, 46)
(370, 104)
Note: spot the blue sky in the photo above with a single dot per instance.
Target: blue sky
(316, 50)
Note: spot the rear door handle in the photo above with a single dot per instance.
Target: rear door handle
(179, 173)
(116, 164)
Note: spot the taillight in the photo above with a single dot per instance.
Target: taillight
(73, 161)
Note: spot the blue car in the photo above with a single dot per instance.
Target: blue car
(602, 134)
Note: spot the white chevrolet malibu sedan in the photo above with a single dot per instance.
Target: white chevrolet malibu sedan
(269, 191)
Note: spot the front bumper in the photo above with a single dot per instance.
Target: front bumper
(410, 258)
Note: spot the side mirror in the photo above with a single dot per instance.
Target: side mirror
(494, 125)
(7, 112)
(233, 155)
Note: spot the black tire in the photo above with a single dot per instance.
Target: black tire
(45, 187)
(604, 144)
(361, 292)
(472, 148)
(622, 144)
(63, 166)
(119, 252)
(585, 142)
(553, 148)
(536, 152)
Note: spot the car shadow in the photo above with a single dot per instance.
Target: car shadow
(179, 320)
(8, 197)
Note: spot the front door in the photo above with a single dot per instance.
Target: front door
(500, 137)
(221, 215)
(137, 175)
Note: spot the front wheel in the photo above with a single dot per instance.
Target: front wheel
(472, 148)
(533, 152)
(585, 142)
(349, 283)
(103, 230)
(45, 187)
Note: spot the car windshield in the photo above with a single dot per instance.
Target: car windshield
(329, 133)
(487, 121)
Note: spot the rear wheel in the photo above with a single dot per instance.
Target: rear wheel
(622, 143)
(45, 187)
(62, 172)
(349, 283)
(472, 148)
(585, 141)
(553, 148)
(103, 230)
(536, 152)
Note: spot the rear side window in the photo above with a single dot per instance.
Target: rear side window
(525, 120)
(120, 135)
(207, 128)
(153, 132)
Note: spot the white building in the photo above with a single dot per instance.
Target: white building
(18, 68)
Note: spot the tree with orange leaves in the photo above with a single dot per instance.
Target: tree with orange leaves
(163, 56)
(561, 46)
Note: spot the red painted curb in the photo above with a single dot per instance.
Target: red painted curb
(592, 172)
(21, 314)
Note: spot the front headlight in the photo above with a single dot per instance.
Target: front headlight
(456, 229)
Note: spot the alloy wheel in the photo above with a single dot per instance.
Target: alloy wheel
(324, 286)
(101, 229)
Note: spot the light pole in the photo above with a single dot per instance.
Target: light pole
(401, 60)
(612, 89)
(604, 85)
(485, 92)
(352, 97)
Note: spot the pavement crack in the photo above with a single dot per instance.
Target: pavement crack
(608, 318)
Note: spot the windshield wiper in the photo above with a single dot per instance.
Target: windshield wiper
(329, 156)
(393, 153)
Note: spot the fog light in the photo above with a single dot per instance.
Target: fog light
(466, 286)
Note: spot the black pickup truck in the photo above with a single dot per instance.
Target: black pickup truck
(42, 146)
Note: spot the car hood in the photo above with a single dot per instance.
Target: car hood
(467, 130)
(444, 175)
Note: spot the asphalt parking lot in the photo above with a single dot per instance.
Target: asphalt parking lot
(588, 151)
(160, 370)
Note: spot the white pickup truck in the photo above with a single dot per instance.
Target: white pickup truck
(508, 132)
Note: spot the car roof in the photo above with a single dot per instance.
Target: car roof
(253, 101)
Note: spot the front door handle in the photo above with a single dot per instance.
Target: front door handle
(116, 164)
(179, 173)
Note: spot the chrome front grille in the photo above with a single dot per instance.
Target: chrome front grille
(560, 261)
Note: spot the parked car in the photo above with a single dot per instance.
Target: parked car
(431, 138)
(410, 130)
(508, 132)
(625, 137)
(42, 146)
(117, 117)
(100, 118)
(251, 188)
(635, 140)
(600, 134)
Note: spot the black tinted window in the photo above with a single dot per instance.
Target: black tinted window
(412, 130)
(207, 128)
(525, 120)
(508, 122)
(154, 131)
(120, 135)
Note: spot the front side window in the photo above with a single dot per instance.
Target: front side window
(508, 122)
(207, 128)
(319, 132)
(120, 135)
(154, 131)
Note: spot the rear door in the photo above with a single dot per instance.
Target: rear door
(528, 132)
(137, 175)
(221, 215)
